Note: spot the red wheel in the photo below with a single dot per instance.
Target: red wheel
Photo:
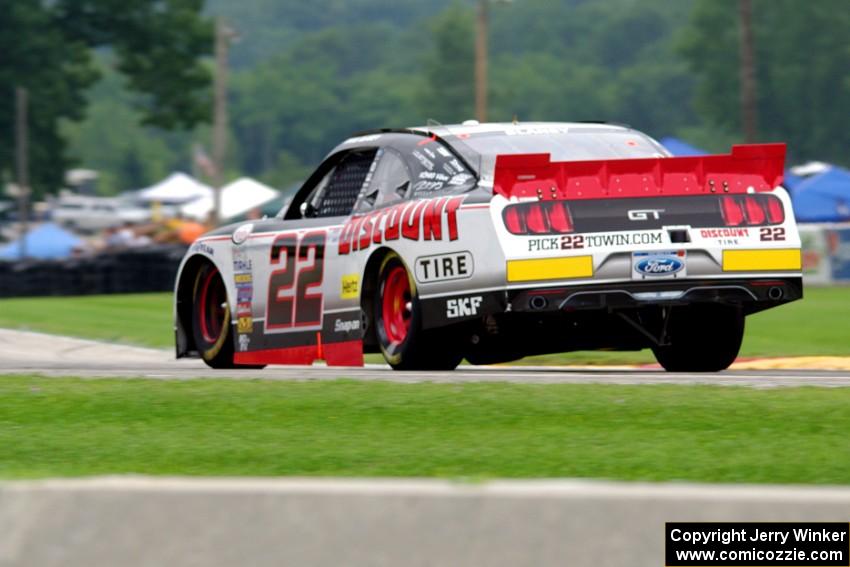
(398, 324)
(211, 318)
(211, 322)
(213, 306)
(397, 305)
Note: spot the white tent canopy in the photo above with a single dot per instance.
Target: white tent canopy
(175, 189)
(237, 198)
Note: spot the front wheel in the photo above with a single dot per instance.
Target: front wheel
(211, 326)
(703, 338)
(398, 324)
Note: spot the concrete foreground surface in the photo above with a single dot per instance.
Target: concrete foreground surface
(142, 521)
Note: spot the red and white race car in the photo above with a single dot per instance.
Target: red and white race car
(491, 242)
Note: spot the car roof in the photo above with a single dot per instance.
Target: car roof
(472, 127)
(482, 156)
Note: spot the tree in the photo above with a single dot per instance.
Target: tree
(47, 48)
(801, 68)
(449, 93)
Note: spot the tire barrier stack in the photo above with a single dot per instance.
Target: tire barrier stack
(121, 271)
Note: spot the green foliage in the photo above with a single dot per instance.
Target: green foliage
(114, 141)
(47, 48)
(307, 74)
(449, 90)
(801, 67)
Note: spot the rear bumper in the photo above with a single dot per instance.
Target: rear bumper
(753, 294)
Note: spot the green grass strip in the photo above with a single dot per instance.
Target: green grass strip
(74, 427)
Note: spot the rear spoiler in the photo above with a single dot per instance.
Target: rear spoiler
(758, 166)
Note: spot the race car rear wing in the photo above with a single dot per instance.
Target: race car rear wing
(758, 166)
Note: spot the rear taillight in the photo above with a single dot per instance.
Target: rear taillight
(751, 210)
(540, 217)
(775, 212)
(514, 221)
(732, 213)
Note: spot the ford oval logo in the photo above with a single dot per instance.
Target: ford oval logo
(659, 266)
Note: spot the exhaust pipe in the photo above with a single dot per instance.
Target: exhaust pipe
(775, 293)
(538, 302)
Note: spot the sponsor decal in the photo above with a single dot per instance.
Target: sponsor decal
(241, 234)
(433, 175)
(243, 309)
(428, 219)
(243, 278)
(644, 214)
(444, 267)
(580, 241)
(241, 261)
(428, 186)
(724, 233)
(426, 163)
(565, 242)
(623, 239)
(203, 248)
(244, 324)
(725, 236)
(460, 179)
(349, 326)
(244, 341)
(658, 264)
(463, 306)
(350, 286)
(244, 293)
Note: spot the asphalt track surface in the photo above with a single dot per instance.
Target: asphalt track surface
(49, 355)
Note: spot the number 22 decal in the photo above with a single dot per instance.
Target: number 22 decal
(295, 298)
(772, 234)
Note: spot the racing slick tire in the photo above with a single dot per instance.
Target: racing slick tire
(703, 338)
(211, 326)
(398, 324)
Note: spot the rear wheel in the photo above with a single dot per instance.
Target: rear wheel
(703, 338)
(398, 324)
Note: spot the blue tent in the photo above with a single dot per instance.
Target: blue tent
(824, 197)
(681, 149)
(47, 241)
(791, 181)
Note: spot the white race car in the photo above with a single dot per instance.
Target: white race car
(491, 242)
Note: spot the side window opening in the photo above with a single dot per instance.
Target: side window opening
(438, 171)
(336, 192)
(388, 182)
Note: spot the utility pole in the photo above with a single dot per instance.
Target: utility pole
(21, 162)
(223, 36)
(481, 31)
(749, 109)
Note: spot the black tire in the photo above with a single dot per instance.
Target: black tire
(211, 326)
(703, 338)
(403, 342)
